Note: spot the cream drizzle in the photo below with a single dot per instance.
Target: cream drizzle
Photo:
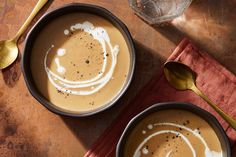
(95, 83)
(61, 52)
(145, 151)
(66, 32)
(60, 69)
(164, 132)
(208, 152)
(143, 132)
(168, 154)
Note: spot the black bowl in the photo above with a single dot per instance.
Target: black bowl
(212, 121)
(72, 8)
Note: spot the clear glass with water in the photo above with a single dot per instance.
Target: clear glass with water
(159, 11)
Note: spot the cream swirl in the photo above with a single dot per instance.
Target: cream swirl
(208, 152)
(94, 84)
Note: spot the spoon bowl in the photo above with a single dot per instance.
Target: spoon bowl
(179, 75)
(182, 77)
(8, 53)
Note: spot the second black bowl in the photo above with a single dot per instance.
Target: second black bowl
(209, 118)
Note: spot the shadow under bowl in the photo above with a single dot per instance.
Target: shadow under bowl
(208, 117)
(57, 13)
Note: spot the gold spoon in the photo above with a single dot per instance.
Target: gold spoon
(181, 77)
(8, 48)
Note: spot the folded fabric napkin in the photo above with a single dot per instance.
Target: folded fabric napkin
(212, 78)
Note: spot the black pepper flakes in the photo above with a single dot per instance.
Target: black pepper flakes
(91, 103)
(87, 61)
(60, 92)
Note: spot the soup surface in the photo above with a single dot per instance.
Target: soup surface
(173, 133)
(80, 62)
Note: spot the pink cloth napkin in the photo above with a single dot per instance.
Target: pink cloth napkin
(212, 78)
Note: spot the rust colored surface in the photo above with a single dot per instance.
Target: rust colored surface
(28, 129)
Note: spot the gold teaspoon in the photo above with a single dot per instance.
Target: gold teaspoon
(181, 77)
(8, 48)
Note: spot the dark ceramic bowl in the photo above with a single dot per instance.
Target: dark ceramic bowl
(225, 144)
(72, 8)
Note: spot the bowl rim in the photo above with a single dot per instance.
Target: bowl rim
(42, 22)
(207, 116)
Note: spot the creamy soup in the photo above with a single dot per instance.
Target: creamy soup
(173, 133)
(80, 62)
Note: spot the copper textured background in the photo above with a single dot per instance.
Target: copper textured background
(27, 129)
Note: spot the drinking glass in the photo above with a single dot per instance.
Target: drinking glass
(159, 11)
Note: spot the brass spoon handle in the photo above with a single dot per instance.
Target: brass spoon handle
(225, 116)
(36, 9)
